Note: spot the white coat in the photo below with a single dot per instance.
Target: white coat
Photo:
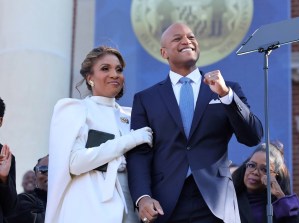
(76, 192)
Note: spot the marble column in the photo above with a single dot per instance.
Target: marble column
(35, 61)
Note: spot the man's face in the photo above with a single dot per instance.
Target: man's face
(29, 180)
(179, 45)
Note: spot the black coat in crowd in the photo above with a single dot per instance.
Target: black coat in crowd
(31, 207)
(8, 193)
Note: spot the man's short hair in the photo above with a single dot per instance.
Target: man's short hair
(2, 108)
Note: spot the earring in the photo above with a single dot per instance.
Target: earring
(91, 83)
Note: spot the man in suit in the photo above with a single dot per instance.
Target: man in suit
(160, 181)
(8, 193)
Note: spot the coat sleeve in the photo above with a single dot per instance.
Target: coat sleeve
(246, 126)
(68, 117)
(29, 209)
(8, 193)
(286, 207)
(139, 159)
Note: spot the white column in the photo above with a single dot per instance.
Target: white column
(84, 42)
(35, 55)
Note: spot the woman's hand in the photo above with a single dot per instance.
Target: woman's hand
(275, 187)
(143, 135)
(5, 163)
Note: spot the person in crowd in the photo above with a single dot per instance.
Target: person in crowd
(28, 181)
(31, 206)
(81, 187)
(250, 181)
(8, 193)
(185, 177)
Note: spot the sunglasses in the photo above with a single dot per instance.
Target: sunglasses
(41, 169)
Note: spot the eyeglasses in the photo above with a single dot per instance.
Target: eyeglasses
(41, 169)
(251, 166)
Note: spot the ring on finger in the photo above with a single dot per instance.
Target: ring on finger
(145, 220)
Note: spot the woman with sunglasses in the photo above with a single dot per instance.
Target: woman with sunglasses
(31, 206)
(250, 182)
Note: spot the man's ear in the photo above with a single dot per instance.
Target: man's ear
(1, 120)
(163, 53)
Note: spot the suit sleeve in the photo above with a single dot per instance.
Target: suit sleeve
(246, 126)
(139, 159)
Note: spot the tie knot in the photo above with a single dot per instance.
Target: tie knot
(185, 80)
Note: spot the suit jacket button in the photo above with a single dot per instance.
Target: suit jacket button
(188, 148)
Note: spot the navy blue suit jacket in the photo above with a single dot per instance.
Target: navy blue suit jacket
(161, 171)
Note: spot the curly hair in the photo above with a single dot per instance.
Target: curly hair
(92, 57)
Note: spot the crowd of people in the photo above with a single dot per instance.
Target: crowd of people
(164, 161)
(31, 204)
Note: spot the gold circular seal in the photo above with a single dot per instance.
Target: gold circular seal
(220, 24)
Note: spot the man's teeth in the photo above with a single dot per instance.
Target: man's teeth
(187, 49)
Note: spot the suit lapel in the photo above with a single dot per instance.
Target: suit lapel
(203, 99)
(166, 92)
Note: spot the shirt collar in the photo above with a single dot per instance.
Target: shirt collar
(195, 76)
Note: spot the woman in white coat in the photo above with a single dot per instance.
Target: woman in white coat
(76, 191)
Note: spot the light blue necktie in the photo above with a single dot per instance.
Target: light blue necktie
(186, 105)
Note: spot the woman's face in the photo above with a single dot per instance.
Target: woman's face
(107, 76)
(42, 174)
(255, 170)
